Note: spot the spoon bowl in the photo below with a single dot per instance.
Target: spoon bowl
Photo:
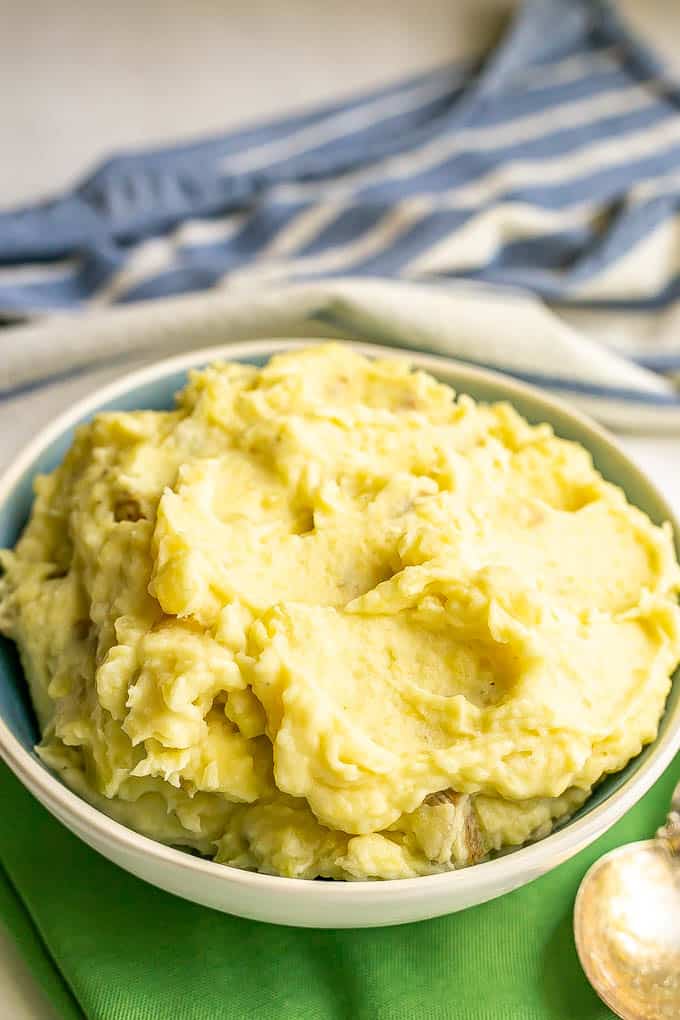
(627, 930)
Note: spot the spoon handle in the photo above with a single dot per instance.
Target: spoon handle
(670, 832)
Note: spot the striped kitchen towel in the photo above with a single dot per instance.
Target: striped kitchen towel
(550, 169)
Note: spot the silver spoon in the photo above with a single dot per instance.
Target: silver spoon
(627, 925)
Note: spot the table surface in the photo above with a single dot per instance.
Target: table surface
(79, 83)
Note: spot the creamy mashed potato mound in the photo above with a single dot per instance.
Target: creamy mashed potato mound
(324, 619)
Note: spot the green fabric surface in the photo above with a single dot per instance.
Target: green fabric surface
(18, 923)
(128, 951)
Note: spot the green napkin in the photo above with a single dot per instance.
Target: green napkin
(108, 946)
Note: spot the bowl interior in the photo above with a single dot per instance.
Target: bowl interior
(157, 394)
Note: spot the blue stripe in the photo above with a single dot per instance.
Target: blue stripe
(377, 140)
(519, 101)
(659, 362)
(173, 283)
(468, 166)
(348, 226)
(575, 386)
(413, 242)
(258, 231)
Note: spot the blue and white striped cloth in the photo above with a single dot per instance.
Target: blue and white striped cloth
(552, 168)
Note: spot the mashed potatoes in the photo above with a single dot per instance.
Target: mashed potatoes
(324, 619)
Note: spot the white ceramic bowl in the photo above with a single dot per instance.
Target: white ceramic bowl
(293, 901)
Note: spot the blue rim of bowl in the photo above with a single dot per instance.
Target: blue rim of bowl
(536, 857)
